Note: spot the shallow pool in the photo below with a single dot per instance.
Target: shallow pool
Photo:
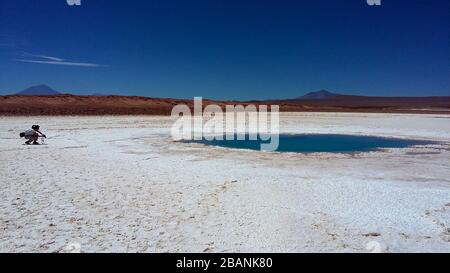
(312, 143)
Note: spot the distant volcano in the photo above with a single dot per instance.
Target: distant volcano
(39, 90)
(319, 95)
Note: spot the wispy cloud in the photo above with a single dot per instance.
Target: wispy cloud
(45, 59)
(60, 63)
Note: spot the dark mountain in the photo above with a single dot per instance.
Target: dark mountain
(98, 104)
(39, 90)
(318, 95)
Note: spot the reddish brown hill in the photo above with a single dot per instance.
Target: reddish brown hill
(124, 105)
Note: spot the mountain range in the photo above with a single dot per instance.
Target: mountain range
(45, 90)
(43, 100)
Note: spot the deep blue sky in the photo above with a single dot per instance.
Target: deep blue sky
(227, 49)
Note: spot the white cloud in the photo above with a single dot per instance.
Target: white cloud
(60, 63)
(45, 59)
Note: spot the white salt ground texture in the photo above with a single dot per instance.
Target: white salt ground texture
(120, 184)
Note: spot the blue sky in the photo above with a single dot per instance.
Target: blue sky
(226, 49)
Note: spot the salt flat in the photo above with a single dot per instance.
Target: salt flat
(120, 184)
